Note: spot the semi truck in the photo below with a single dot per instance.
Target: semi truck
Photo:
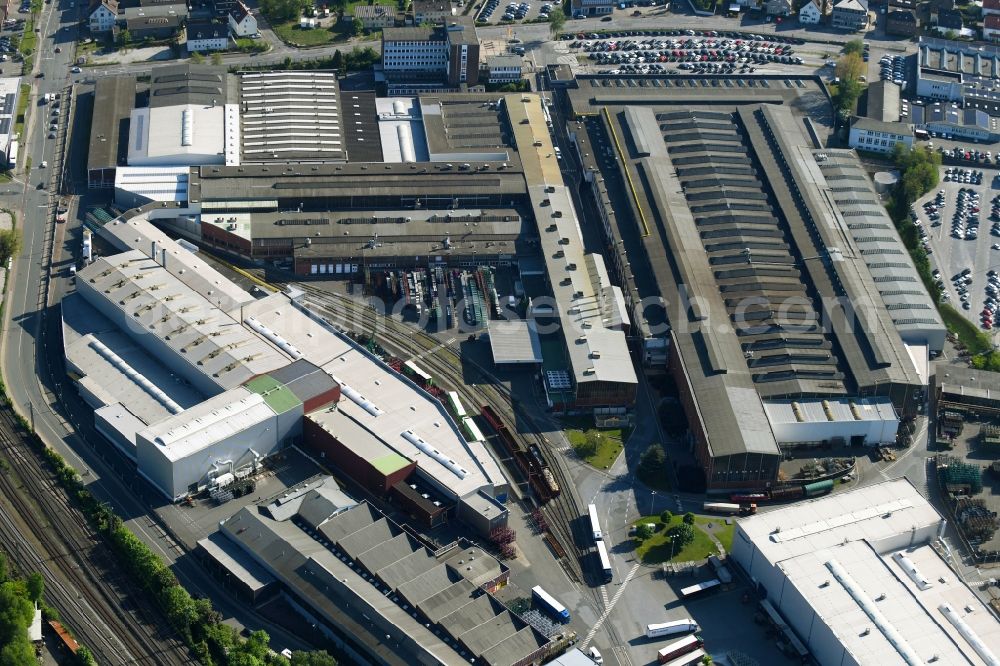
(730, 508)
(672, 628)
(679, 648)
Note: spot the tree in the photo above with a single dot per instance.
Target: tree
(681, 535)
(951, 35)
(124, 38)
(666, 516)
(652, 460)
(317, 658)
(588, 447)
(18, 652)
(855, 46)
(689, 518)
(217, 59)
(850, 67)
(16, 612)
(84, 657)
(338, 61)
(197, 58)
(36, 587)
(557, 21)
(357, 27)
(644, 531)
(3, 568)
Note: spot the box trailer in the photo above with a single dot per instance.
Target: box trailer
(679, 648)
(673, 628)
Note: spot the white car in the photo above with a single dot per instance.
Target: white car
(76, 70)
(595, 655)
(43, 164)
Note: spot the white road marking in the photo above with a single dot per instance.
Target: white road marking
(608, 608)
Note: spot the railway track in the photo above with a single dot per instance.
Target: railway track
(445, 363)
(83, 580)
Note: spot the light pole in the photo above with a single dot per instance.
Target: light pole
(652, 503)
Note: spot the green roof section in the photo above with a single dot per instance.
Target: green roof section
(277, 396)
(390, 463)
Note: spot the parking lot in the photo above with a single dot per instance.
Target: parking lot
(683, 52)
(962, 234)
(497, 11)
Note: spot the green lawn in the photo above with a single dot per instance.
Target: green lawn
(974, 340)
(608, 448)
(658, 548)
(22, 108)
(292, 33)
(29, 40)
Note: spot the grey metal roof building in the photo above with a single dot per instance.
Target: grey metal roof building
(726, 216)
(883, 101)
(386, 595)
(113, 100)
(171, 85)
(910, 307)
(291, 117)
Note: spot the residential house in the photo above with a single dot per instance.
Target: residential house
(949, 19)
(778, 7)
(810, 13)
(375, 17)
(242, 22)
(901, 22)
(850, 15)
(503, 69)
(102, 15)
(877, 136)
(431, 11)
(990, 8)
(207, 35)
(991, 27)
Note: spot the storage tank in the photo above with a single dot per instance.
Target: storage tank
(818, 488)
(885, 181)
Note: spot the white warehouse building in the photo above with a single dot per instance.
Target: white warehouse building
(856, 577)
(219, 436)
(854, 421)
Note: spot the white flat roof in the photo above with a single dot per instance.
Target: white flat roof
(906, 621)
(180, 134)
(154, 183)
(835, 410)
(106, 381)
(873, 513)
(399, 405)
(209, 422)
(139, 234)
(190, 324)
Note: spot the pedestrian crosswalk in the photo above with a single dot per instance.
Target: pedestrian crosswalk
(604, 596)
(607, 608)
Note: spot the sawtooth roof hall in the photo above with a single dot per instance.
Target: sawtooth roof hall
(754, 237)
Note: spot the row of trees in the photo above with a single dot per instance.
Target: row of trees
(918, 168)
(17, 610)
(198, 624)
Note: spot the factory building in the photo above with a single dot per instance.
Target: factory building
(380, 594)
(198, 381)
(860, 579)
(778, 274)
